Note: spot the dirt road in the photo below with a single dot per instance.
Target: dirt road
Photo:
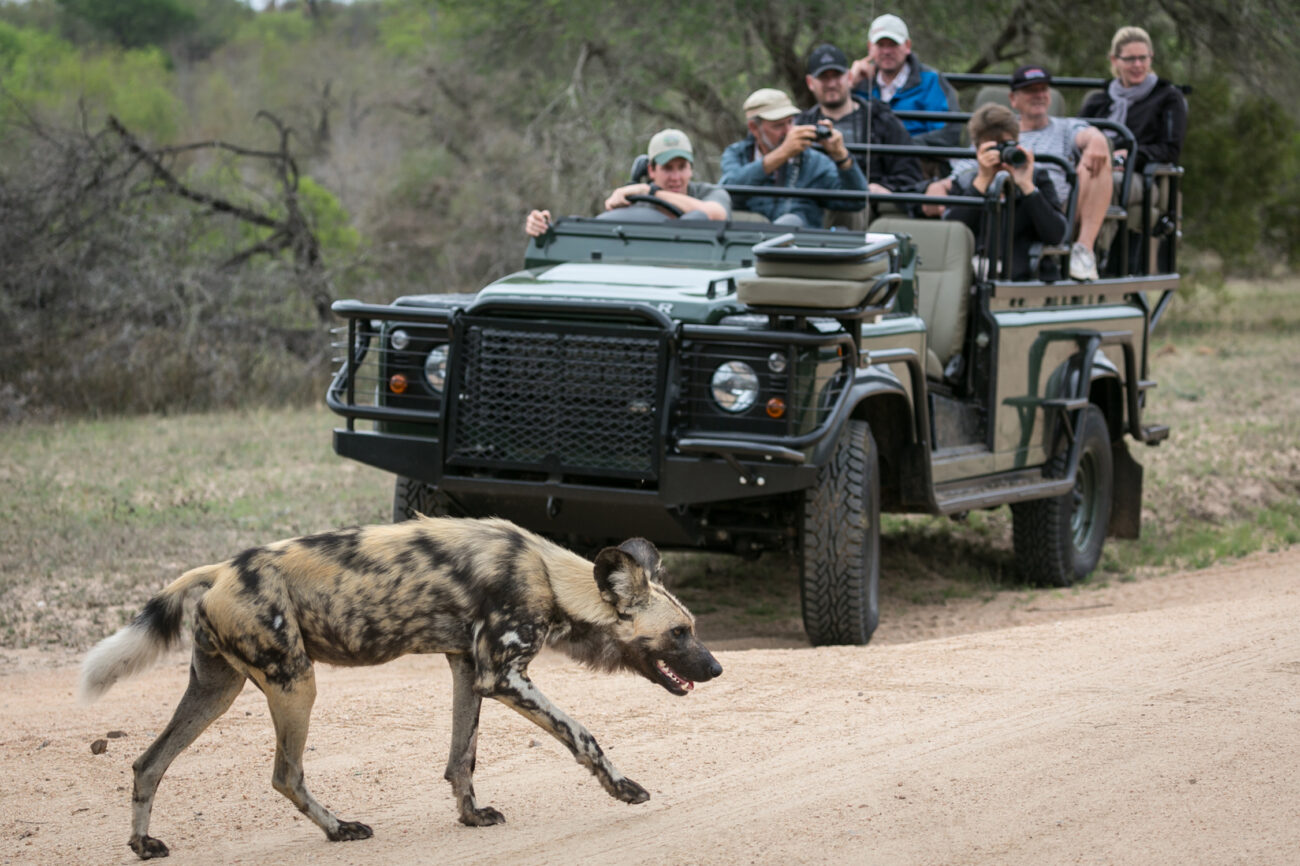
(1159, 723)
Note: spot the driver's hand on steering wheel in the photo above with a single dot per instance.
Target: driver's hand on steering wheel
(618, 198)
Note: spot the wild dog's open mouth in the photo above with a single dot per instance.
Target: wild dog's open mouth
(681, 682)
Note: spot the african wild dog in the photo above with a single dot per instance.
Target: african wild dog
(485, 592)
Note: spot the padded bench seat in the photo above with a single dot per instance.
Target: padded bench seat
(804, 292)
(790, 277)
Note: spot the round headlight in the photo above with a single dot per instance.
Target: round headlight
(435, 368)
(399, 339)
(734, 386)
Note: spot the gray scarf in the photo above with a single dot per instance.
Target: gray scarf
(1122, 97)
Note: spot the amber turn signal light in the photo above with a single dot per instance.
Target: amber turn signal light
(397, 383)
(776, 408)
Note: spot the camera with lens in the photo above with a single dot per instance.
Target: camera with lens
(1011, 154)
(823, 132)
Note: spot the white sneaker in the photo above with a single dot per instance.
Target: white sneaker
(1083, 264)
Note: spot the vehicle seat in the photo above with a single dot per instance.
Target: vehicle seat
(943, 282)
(827, 285)
(1001, 94)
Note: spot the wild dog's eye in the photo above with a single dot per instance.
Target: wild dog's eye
(681, 632)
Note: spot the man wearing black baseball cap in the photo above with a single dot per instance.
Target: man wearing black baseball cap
(859, 120)
(1072, 139)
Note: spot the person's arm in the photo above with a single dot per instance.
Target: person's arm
(900, 172)
(971, 215)
(862, 73)
(845, 174)
(1171, 120)
(537, 222)
(687, 204)
(1040, 202)
(739, 170)
(719, 196)
(797, 140)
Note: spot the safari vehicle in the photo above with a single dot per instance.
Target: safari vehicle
(740, 387)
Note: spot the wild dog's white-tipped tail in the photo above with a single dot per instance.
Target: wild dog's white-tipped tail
(139, 645)
(128, 652)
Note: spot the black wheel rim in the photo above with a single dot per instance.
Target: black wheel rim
(1083, 517)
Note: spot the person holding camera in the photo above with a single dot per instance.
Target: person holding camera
(779, 153)
(671, 169)
(860, 121)
(1038, 217)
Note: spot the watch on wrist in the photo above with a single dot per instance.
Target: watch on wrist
(654, 188)
(844, 163)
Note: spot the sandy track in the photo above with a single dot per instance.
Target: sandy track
(1159, 723)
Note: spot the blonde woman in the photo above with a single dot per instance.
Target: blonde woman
(1151, 107)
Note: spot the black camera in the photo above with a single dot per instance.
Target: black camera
(1012, 155)
(823, 131)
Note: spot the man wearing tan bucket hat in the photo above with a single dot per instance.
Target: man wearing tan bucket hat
(779, 153)
(671, 168)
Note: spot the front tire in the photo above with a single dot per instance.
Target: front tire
(412, 497)
(1058, 541)
(839, 544)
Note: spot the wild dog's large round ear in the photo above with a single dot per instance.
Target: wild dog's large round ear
(621, 578)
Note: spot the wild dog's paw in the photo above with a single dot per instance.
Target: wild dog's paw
(147, 847)
(350, 831)
(630, 792)
(481, 817)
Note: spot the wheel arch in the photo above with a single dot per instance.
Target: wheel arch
(888, 412)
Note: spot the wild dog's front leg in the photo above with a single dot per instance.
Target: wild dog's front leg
(464, 745)
(514, 689)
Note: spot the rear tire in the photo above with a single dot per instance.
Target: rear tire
(411, 497)
(1059, 541)
(839, 544)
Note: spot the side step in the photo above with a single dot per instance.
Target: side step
(1003, 489)
(1154, 434)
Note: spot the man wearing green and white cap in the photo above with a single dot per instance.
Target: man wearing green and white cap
(779, 153)
(671, 168)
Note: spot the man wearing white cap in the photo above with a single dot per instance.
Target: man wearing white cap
(779, 153)
(893, 74)
(671, 169)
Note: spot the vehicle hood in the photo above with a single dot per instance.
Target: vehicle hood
(681, 292)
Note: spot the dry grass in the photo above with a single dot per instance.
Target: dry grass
(97, 515)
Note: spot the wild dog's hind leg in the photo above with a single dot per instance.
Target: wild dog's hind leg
(464, 745)
(502, 667)
(290, 700)
(214, 685)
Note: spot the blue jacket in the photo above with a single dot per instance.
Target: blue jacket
(811, 170)
(926, 90)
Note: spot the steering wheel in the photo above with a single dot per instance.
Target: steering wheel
(657, 202)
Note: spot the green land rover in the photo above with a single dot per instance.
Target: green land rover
(742, 387)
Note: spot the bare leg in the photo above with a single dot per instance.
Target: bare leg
(1094, 200)
(464, 745)
(291, 705)
(213, 687)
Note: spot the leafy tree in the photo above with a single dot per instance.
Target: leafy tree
(134, 23)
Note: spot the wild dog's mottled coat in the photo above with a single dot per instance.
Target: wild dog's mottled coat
(487, 593)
